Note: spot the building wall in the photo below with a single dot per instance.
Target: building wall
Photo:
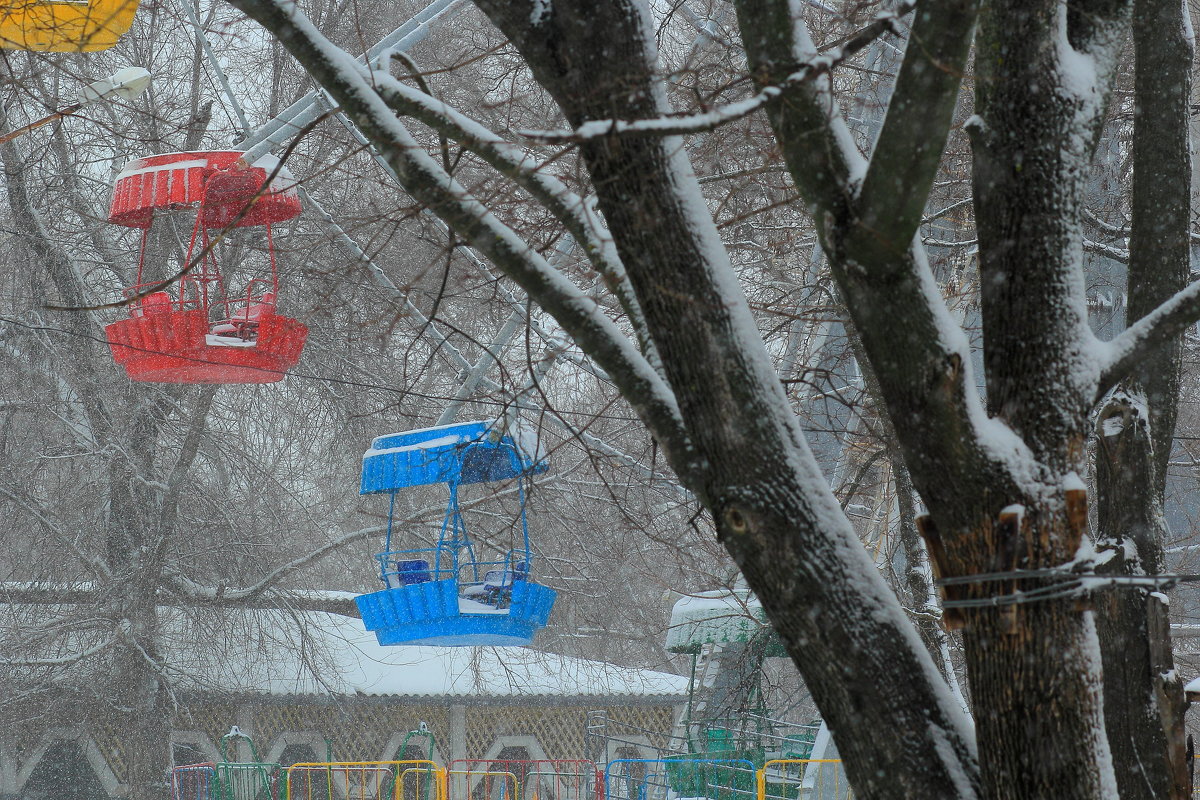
(357, 729)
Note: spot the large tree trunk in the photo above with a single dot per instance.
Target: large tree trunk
(1033, 664)
(822, 600)
(141, 710)
(1035, 677)
(1044, 74)
(1144, 702)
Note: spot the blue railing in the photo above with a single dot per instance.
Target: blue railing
(407, 567)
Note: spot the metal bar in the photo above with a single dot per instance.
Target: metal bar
(302, 112)
(215, 66)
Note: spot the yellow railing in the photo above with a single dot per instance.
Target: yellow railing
(365, 780)
(803, 779)
(779, 779)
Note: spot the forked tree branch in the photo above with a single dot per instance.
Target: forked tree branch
(354, 88)
(920, 354)
(909, 148)
(64, 661)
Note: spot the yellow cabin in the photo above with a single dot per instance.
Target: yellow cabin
(70, 26)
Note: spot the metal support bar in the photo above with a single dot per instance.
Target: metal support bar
(215, 66)
(302, 112)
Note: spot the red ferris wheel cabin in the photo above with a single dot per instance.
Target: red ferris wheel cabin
(193, 329)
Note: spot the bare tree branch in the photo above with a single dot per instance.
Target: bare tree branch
(354, 88)
(909, 148)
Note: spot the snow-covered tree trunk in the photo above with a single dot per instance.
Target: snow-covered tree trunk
(1144, 702)
(1044, 77)
(1034, 668)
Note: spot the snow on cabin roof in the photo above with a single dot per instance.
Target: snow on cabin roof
(721, 616)
(350, 662)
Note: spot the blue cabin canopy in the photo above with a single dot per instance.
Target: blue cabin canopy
(446, 595)
(462, 453)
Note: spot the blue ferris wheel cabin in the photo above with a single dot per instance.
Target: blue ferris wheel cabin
(446, 595)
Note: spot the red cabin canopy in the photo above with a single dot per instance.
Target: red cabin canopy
(184, 180)
(201, 333)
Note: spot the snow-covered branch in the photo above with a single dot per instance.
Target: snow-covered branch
(194, 595)
(1166, 322)
(885, 22)
(425, 179)
(187, 588)
(63, 661)
(1107, 250)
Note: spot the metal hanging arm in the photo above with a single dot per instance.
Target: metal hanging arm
(215, 66)
(388, 541)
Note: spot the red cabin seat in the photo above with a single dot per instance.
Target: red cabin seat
(243, 322)
(155, 303)
(254, 311)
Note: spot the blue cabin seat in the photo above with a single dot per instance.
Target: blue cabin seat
(412, 571)
(406, 572)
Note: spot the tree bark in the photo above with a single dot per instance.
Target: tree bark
(592, 59)
(1035, 674)
(1144, 703)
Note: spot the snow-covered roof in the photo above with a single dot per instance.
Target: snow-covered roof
(722, 616)
(349, 661)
